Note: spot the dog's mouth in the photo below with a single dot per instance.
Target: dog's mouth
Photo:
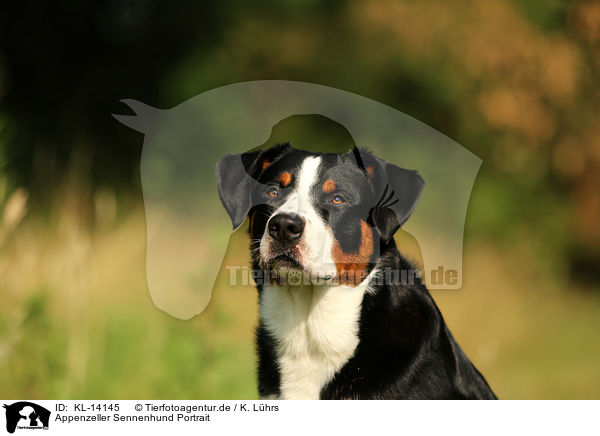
(286, 265)
(292, 261)
(284, 261)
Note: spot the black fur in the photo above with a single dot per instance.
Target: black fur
(405, 350)
(268, 373)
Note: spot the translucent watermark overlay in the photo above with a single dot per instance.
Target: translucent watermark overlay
(188, 244)
(244, 276)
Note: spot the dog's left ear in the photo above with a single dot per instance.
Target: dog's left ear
(235, 184)
(398, 190)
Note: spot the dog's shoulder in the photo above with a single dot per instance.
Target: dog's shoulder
(404, 338)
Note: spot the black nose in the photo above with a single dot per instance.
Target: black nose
(286, 227)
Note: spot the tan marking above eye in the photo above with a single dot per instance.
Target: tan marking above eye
(285, 178)
(265, 164)
(328, 186)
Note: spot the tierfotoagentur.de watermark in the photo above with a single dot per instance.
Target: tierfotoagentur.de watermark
(241, 275)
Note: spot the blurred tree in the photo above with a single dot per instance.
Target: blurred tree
(64, 68)
(513, 81)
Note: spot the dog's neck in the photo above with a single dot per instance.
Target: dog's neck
(316, 331)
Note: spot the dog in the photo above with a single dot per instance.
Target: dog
(342, 331)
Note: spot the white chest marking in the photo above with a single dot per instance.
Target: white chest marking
(316, 330)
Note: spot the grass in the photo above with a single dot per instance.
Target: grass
(77, 322)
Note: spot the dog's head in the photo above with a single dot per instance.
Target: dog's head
(327, 215)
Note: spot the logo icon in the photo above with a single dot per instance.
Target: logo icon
(26, 415)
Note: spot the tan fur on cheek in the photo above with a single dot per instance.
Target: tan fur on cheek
(285, 179)
(352, 267)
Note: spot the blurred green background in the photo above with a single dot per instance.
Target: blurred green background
(514, 81)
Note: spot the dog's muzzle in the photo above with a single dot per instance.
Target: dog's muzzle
(286, 228)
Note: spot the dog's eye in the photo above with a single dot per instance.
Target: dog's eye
(273, 192)
(337, 199)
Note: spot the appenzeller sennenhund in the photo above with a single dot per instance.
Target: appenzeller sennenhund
(332, 323)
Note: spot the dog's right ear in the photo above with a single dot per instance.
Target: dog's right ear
(235, 184)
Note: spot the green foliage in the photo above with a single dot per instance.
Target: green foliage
(511, 80)
(548, 14)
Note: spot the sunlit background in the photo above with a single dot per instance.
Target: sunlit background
(514, 81)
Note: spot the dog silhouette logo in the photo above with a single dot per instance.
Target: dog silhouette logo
(26, 415)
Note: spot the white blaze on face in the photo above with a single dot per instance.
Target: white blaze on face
(316, 242)
(316, 326)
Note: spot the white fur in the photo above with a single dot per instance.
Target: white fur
(315, 326)
(316, 332)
